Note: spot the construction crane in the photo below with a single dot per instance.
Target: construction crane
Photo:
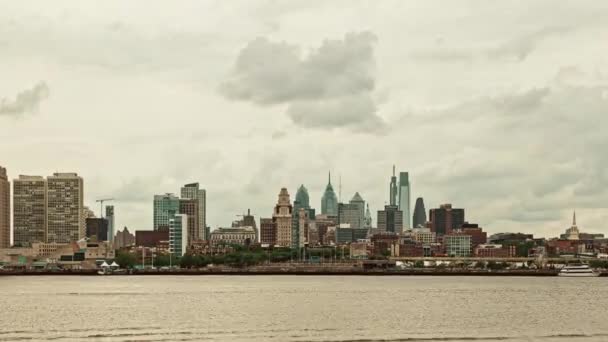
(101, 200)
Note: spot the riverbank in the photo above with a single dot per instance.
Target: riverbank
(299, 270)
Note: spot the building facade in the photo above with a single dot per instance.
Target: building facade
(97, 229)
(235, 235)
(178, 234)
(393, 189)
(165, 208)
(29, 210)
(268, 232)
(445, 219)
(110, 218)
(5, 209)
(390, 219)
(419, 218)
(352, 214)
(124, 238)
(189, 207)
(457, 245)
(329, 201)
(282, 217)
(193, 191)
(404, 199)
(65, 207)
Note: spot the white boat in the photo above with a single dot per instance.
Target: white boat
(577, 271)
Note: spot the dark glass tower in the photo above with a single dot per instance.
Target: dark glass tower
(419, 217)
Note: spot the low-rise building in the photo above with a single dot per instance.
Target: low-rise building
(457, 245)
(494, 251)
(238, 236)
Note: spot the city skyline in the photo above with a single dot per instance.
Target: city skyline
(499, 118)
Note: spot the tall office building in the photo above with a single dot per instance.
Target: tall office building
(87, 213)
(329, 201)
(268, 232)
(192, 191)
(419, 218)
(178, 234)
(352, 213)
(97, 229)
(189, 207)
(404, 198)
(110, 219)
(368, 218)
(302, 201)
(65, 208)
(390, 219)
(445, 219)
(302, 197)
(165, 208)
(29, 210)
(282, 217)
(5, 209)
(393, 189)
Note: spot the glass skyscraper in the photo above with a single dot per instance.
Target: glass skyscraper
(329, 201)
(404, 199)
(165, 208)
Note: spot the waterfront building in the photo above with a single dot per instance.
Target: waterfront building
(29, 210)
(97, 229)
(124, 238)
(329, 201)
(151, 238)
(189, 207)
(165, 208)
(419, 218)
(178, 234)
(110, 219)
(457, 245)
(404, 198)
(282, 217)
(193, 191)
(494, 251)
(393, 189)
(65, 208)
(5, 209)
(268, 232)
(445, 219)
(243, 236)
(390, 219)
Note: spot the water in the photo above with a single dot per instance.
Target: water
(303, 308)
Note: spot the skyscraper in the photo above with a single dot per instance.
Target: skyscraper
(192, 191)
(302, 197)
(65, 208)
(329, 201)
(178, 234)
(368, 217)
(29, 210)
(419, 218)
(5, 209)
(393, 189)
(404, 198)
(282, 217)
(445, 218)
(390, 219)
(165, 208)
(352, 213)
(110, 218)
(189, 207)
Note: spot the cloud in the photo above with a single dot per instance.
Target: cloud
(27, 101)
(329, 88)
(522, 46)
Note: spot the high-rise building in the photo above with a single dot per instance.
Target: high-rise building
(192, 191)
(329, 201)
(178, 234)
(110, 218)
(65, 208)
(5, 209)
(282, 217)
(268, 232)
(368, 218)
(165, 208)
(390, 219)
(97, 228)
(302, 201)
(393, 189)
(404, 198)
(302, 196)
(419, 218)
(445, 219)
(352, 213)
(29, 210)
(87, 213)
(189, 207)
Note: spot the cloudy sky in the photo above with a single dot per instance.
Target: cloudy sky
(497, 107)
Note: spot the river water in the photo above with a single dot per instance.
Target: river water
(303, 308)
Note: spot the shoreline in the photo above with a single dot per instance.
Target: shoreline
(298, 270)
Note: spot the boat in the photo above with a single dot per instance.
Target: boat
(577, 271)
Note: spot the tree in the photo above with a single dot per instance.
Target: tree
(419, 264)
(125, 259)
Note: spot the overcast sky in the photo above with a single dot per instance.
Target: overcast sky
(497, 107)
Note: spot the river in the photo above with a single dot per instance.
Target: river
(302, 308)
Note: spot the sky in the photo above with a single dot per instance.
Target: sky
(496, 107)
